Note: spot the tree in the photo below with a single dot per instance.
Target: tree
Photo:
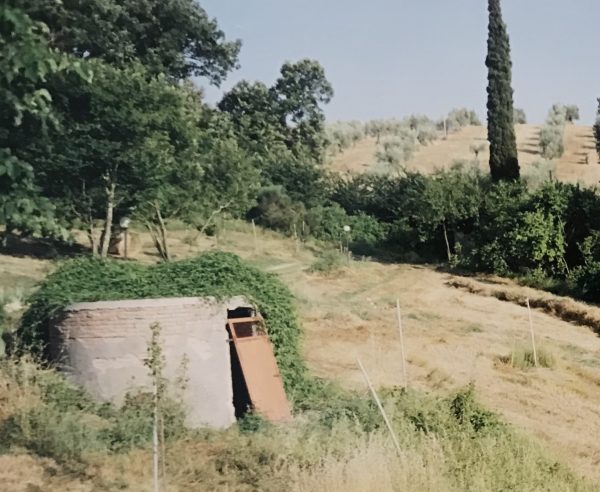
(477, 149)
(450, 198)
(572, 112)
(551, 134)
(519, 116)
(504, 163)
(131, 143)
(168, 36)
(287, 115)
(26, 61)
(597, 129)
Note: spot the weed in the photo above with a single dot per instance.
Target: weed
(522, 357)
(328, 262)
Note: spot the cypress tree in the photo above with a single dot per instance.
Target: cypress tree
(597, 129)
(504, 163)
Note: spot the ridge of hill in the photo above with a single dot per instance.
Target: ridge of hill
(441, 153)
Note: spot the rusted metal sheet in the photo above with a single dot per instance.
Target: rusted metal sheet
(260, 370)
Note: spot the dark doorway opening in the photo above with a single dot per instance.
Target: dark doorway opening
(241, 397)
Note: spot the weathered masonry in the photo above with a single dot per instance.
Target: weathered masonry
(102, 347)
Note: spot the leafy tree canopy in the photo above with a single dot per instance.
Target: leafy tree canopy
(287, 115)
(167, 36)
(26, 62)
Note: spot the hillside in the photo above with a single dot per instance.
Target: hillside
(579, 143)
(452, 337)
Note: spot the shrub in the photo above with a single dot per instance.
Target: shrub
(276, 210)
(585, 281)
(49, 431)
(132, 424)
(327, 224)
(398, 150)
(538, 173)
(518, 231)
(328, 261)
(519, 116)
(551, 134)
(459, 118)
(551, 141)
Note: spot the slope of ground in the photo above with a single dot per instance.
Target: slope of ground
(579, 162)
(452, 338)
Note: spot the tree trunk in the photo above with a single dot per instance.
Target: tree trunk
(162, 228)
(110, 206)
(91, 232)
(448, 251)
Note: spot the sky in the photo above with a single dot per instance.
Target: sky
(392, 58)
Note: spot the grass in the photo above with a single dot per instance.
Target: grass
(450, 444)
(522, 357)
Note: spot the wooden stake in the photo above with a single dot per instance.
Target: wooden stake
(399, 317)
(155, 441)
(254, 235)
(379, 405)
(535, 361)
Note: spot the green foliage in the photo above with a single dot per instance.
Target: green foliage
(176, 37)
(519, 116)
(538, 173)
(48, 431)
(328, 261)
(468, 412)
(451, 200)
(504, 164)
(285, 117)
(571, 113)
(597, 129)
(26, 62)
(551, 134)
(396, 151)
(461, 117)
(212, 274)
(328, 224)
(518, 231)
(344, 134)
(459, 442)
(131, 425)
(276, 210)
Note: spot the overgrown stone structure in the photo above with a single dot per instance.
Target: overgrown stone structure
(102, 346)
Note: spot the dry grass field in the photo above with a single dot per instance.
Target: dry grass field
(571, 167)
(452, 336)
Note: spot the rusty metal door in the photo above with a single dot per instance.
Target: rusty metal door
(260, 370)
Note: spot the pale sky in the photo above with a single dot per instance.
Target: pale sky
(391, 58)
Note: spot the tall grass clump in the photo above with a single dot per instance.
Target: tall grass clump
(522, 357)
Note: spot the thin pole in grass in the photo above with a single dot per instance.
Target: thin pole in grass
(399, 318)
(379, 405)
(254, 236)
(535, 360)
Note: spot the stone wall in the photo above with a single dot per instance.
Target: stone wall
(102, 346)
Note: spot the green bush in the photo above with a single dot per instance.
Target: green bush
(50, 431)
(131, 424)
(276, 210)
(518, 232)
(327, 224)
(328, 261)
